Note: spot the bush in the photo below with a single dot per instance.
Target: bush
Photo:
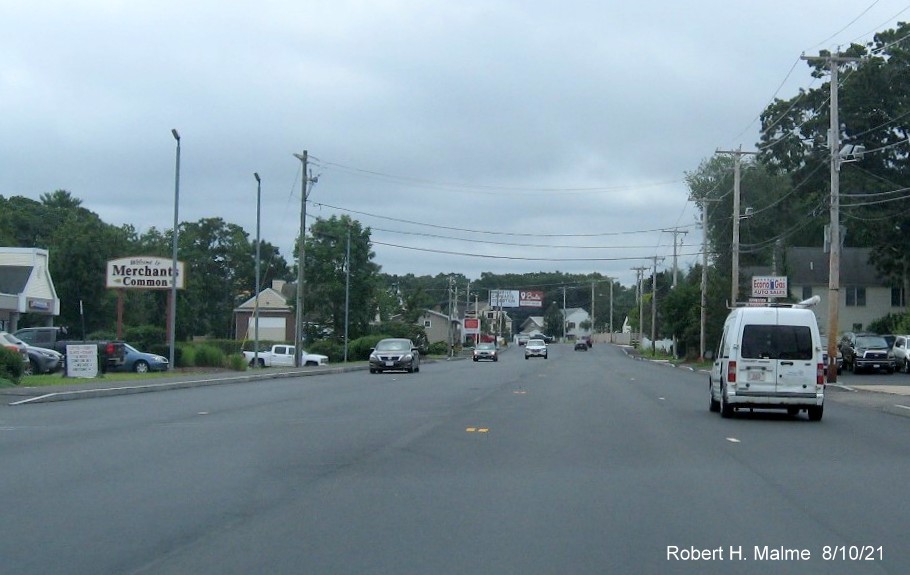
(145, 337)
(186, 357)
(439, 348)
(209, 356)
(10, 366)
(359, 349)
(333, 349)
(236, 362)
(164, 350)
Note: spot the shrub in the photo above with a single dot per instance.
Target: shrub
(359, 349)
(333, 349)
(236, 362)
(439, 348)
(10, 366)
(186, 357)
(144, 337)
(209, 356)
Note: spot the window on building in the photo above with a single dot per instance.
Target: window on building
(427, 323)
(807, 292)
(856, 296)
(898, 297)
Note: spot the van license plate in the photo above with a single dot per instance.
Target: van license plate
(756, 376)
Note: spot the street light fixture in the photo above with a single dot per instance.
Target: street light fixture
(172, 328)
(256, 301)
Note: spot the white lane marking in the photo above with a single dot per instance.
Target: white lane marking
(733, 440)
(901, 406)
(662, 398)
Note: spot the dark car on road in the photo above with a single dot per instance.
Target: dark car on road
(581, 345)
(395, 354)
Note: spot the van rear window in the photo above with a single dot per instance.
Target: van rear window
(777, 342)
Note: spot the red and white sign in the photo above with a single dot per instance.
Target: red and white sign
(769, 286)
(530, 299)
(471, 326)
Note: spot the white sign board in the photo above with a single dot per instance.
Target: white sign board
(503, 298)
(769, 286)
(143, 272)
(82, 360)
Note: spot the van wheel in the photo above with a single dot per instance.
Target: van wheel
(726, 410)
(713, 404)
(815, 412)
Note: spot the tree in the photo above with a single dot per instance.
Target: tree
(326, 276)
(553, 321)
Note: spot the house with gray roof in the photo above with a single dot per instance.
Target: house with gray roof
(864, 294)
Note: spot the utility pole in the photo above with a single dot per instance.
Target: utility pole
(737, 163)
(675, 232)
(654, 307)
(703, 319)
(564, 318)
(301, 256)
(834, 240)
(449, 310)
(592, 310)
(641, 302)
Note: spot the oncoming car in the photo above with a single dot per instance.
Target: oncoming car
(485, 351)
(395, 354)
(536, 348)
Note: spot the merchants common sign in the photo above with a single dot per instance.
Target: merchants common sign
(143, 272)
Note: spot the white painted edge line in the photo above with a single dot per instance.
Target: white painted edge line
(902, 406)
(733, 440)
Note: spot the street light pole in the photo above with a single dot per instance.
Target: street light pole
(172, 312)
(256, 301)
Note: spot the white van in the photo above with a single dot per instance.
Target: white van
(769, 357)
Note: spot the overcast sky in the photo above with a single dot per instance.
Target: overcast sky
(455, 130)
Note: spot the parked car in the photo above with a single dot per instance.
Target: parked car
(282, 355)
(866, 351)
(581, 345)
(141, 362)
(523, 339)
(394, 354)
(485, 351)
(839, 359)
(20, 348)
(901, 352)
(536, 348)
(41, 360)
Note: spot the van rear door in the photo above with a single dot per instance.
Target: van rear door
(796, 363)
(778, 360)
(757, 365)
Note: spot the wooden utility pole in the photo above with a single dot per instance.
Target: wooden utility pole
(737, 177)
(641, 302)
(833, 62)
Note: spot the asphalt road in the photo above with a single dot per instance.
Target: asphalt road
(588, 462)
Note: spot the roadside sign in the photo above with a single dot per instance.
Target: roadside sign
(769, 286)
(82, 361)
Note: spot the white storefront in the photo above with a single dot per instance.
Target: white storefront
(25, 286)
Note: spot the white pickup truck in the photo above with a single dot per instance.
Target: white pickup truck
(283, 356)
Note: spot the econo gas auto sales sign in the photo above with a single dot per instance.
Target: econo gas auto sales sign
(769, 286)
(143, 272)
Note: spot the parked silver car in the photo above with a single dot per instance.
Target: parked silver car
(40, 359)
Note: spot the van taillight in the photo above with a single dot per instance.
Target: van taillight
(731, 372)
(820, 374)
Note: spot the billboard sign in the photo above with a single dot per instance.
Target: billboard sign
(143, 272)
(471, 326)
(503, 298)
(531, 299)
(769, 286)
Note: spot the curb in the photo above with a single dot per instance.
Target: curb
(173, 385)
